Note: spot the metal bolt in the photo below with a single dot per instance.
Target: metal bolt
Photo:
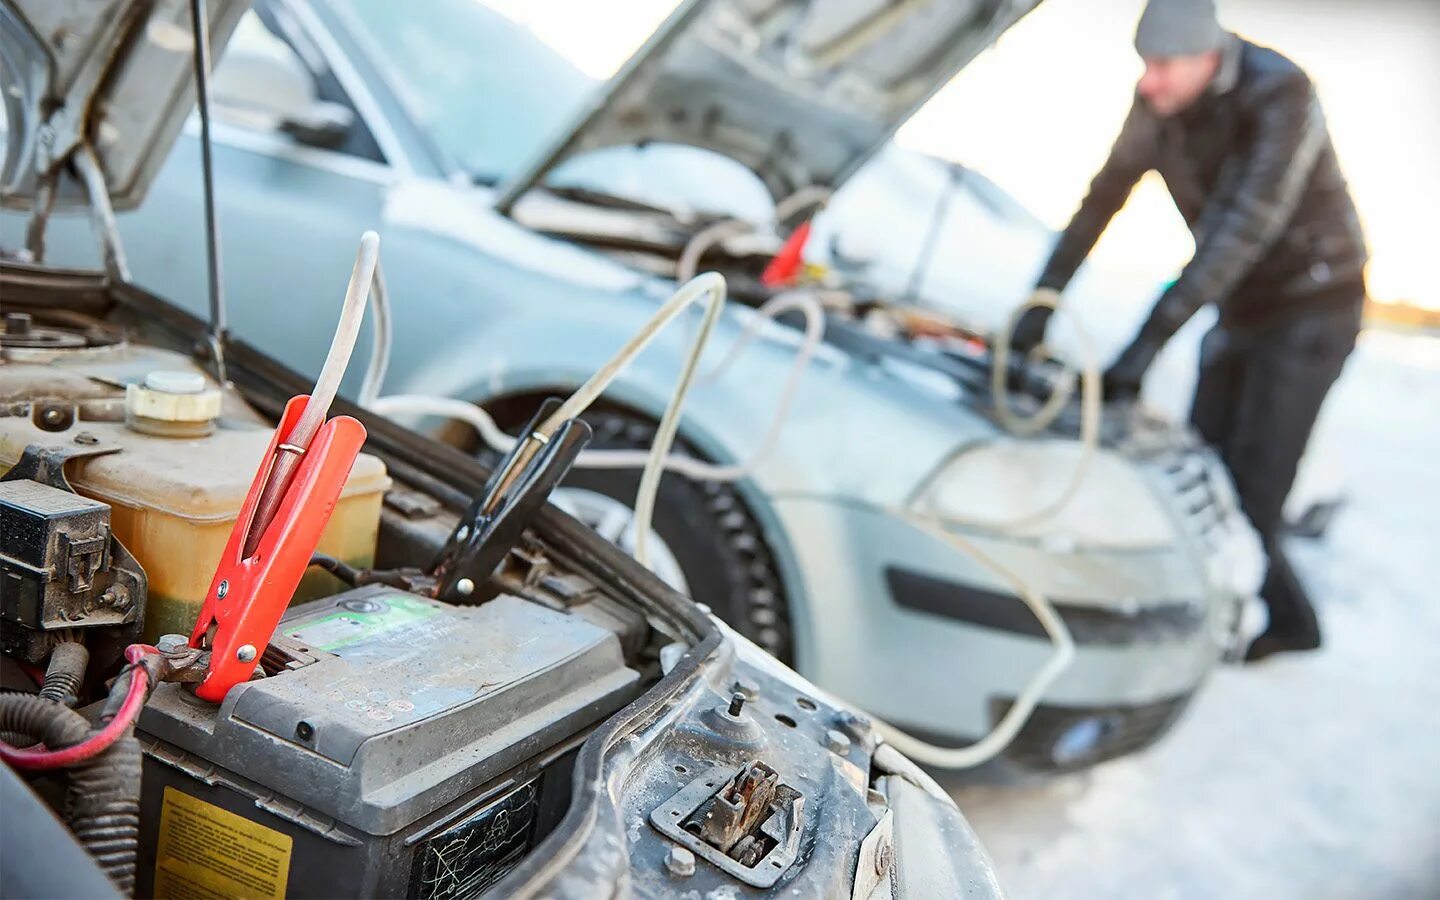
(222, 590)
(170, 643)
(737, 703)
(116, 597)
(86, 437)
(246, 653)
(836, 742)
(853, 724)
(464, 587)
(53, 416)
(680, 862)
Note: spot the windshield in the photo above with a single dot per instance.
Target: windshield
(484, 88)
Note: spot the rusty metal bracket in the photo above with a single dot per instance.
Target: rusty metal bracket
(45, 463)
(757, 815)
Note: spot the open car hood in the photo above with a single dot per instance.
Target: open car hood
(801, 92)
(117, 75)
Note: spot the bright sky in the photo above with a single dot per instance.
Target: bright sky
(1037, 113)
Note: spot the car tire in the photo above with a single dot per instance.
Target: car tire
(707, 527)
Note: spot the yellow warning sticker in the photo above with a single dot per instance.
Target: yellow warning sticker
(208, 853)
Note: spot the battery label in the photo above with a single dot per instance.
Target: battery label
(362, 621)
(207, 853)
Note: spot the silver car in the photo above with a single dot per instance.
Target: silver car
(521, 250)
(584, 731)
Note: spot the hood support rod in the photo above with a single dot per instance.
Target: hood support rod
(219, 324)
(87, 167)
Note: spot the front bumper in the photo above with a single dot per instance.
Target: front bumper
(901, 623)
(1066, 738)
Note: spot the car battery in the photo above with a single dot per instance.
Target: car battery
(397, 746)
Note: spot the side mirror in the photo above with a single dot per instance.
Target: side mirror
(323, 125)
(262, 84)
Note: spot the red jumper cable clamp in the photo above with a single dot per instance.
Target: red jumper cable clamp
(250, 591)
(789, 263)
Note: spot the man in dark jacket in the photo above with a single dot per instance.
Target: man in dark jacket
(1236, 132)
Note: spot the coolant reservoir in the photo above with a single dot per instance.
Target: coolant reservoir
(174, 499)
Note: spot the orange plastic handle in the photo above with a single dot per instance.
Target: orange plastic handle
(248, 595)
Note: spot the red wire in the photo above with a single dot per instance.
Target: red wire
(36, 673)
(99, 741)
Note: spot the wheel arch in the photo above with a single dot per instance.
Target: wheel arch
(513, 406)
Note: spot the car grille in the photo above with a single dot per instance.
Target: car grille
(1187, 475)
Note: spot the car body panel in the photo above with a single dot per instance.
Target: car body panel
(131, 63)
(801, 92)
(913, 666)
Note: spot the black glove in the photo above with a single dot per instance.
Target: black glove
(1122, 379)
(1030, 330)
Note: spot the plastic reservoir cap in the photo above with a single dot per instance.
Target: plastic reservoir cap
(171, 381)
(172, 396)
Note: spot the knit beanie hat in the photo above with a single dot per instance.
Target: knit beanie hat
(1178, 28)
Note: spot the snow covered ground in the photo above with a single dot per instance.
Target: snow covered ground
(1314, 776)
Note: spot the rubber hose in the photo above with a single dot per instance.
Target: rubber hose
(65, 672)
(104, 810)
(103, 802)
(42, 721)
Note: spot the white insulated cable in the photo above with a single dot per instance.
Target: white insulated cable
(704, 471)
(704, 239)
(999, 737)
(491, 433)
(941, 757)
(709, 287)
(1004, 732)
(342, 346)
(712, 286)
(382, 335)
(1091, 401)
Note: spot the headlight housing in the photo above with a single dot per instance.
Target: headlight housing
(986, 487)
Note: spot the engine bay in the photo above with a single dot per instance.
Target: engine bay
(864, 320)
(375, 712)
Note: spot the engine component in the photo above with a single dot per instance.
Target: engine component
(398, 747)
(60, 565)
(20, 331)
(55, 559)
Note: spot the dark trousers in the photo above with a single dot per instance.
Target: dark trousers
(1259, 393)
